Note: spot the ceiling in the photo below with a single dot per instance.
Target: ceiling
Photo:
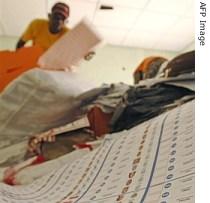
(151, 24)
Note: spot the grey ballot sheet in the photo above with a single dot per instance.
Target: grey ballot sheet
(151, 162)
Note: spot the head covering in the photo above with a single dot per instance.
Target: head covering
(61, 8)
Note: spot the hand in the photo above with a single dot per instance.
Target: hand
(34, 142)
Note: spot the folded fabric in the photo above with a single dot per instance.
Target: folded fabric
(14, 63)
(140, 104)
(186, 80)
(110, 98)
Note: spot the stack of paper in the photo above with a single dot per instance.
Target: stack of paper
(71, 48)
(152, 162)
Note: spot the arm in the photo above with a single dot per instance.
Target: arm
(27, 35)
(20, 44)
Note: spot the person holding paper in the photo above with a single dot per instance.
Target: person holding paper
(45, 32)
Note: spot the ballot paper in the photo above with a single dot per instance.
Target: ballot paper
(70, 48)
(150, 163)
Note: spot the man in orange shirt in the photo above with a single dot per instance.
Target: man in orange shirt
(45, 32)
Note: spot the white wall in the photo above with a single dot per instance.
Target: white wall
(111, 64)
(116, 64)
(190, 47)
(7, 42)
(1, 17)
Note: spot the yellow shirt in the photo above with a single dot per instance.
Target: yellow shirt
(38, 32)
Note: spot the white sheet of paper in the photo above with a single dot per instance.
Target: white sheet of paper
(70, 48)
(152, 162)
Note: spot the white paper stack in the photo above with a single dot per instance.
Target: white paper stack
(150, 163)
(71, 48)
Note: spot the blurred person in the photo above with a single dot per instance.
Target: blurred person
(43, 32)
